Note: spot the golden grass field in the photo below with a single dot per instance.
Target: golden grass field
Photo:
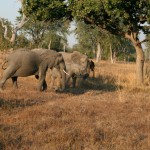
(107, 112)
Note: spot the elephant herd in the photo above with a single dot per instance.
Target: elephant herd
(66, 66)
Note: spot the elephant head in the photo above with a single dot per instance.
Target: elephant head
(90, 68)
(53, 59)
(76, 66)
(80, 62)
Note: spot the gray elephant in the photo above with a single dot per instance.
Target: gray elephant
(22, 63)
(76, 66)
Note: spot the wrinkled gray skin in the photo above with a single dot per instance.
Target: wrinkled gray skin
(59, 64)
(22, 63)
(76, 66)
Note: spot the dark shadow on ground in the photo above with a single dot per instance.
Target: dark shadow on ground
(101, 83)
(11, 104)
(2, 146)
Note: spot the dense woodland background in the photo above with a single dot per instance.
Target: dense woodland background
(54, 36)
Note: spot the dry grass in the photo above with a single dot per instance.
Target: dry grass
(104, 113)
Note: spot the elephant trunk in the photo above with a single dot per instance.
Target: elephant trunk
(84, 73)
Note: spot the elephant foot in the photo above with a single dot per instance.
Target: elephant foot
(59, 90)
(43, 90)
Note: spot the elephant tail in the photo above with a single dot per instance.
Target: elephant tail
(3, 65)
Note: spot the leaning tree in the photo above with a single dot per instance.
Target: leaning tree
(125, 18)
(121, 17)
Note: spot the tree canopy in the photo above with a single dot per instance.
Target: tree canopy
(120, 17)
(116, 16)
(47, 10)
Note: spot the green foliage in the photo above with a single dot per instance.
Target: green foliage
(22, 41)
(40, 33)
(88, 38)
(47, 10)
(116, 16)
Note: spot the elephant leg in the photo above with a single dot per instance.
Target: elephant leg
(14, 80)
(41, 83)
(52, 82)
(67, 81)
(93, 74)
(44, 86)
(42, 75)
(6, 75)
(74, 79)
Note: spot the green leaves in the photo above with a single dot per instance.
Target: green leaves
(116, 16)
(45, 9)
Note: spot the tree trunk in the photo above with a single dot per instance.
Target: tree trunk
(111, 54)
(139, 57)
(139, 64)
(49, 45)
(64, 47)
(94, 52)
(99, 52)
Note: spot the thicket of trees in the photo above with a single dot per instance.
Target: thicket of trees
(100, 44)
(36, 33)
(109, 23)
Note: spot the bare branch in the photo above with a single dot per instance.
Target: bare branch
(145, 40)
(16, 28)
(6, 29)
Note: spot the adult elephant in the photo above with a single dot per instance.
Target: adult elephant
(22, 63)
(59, 64)
(76, 66)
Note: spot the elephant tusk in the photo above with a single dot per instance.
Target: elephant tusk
(66, 72)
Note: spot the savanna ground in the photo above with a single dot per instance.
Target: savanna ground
(104, 113)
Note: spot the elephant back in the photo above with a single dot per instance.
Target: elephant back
(44, 52)
(78, 57)
(22, 55)
(50, 57)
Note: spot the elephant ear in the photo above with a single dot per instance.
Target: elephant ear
(76, 57)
